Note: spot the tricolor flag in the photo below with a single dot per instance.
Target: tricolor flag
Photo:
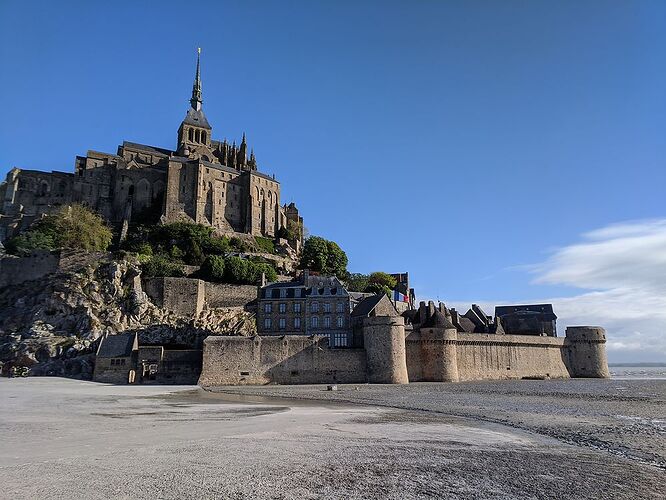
(398, 297)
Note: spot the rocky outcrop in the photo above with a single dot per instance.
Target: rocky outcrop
(52, 324)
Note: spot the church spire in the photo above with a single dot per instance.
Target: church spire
(196, 101)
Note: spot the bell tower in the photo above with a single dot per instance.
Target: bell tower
(195, 131)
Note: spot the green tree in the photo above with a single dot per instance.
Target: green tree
(212, 268)
(324, 256)
(382, 279)
(357, 282)
(75, 227)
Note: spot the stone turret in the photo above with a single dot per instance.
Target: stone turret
(587, 352)
(384, 341)
(438, 349)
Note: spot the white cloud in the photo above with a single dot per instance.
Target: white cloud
(621, 270)
(620, 256)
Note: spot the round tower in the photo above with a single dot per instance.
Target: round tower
(384, 342)
(439, 356)
(587, 351)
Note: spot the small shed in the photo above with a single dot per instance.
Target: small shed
(116, 359)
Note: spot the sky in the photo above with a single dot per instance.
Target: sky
(499, 152)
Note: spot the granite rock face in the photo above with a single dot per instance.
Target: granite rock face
(52, 324)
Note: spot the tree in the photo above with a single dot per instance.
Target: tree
(382, 279)
(357, 282)
(212, 268)
(324, 256)
(75, 227)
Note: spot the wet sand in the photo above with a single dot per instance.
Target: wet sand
(69, 439)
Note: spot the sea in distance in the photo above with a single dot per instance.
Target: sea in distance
(644, 371)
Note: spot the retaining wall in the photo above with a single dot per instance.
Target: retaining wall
(226, 295)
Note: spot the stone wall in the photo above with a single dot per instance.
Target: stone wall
(226, 295)
(184, 296)
(296, 359)
(179, 367)
(113, 374)
(16, 270)
(433, 354)
(482, 356)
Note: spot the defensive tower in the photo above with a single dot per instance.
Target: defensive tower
(587, 351)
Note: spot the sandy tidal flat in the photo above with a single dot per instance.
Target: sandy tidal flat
(70, 439)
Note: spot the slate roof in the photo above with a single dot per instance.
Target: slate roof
(219, 166)
(196, 118)
(365, 307)
(545, 309)
(314, 285)
(466, 324)
(146, 148)
(117, 346)
(265, 176)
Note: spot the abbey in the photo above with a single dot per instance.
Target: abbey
(203, 180)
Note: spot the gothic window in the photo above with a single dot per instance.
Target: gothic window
(196, 135)
(203, 136)
(190, 135)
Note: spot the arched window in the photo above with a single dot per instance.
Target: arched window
(203, 136)
(196, 136)
(190, 135)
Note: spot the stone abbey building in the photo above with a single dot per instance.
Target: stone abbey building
(203, 180)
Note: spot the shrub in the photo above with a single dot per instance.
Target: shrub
(162, 265)
(74, 227)
(212, 268)
(217, 246)
(265, 245)
(238, 270)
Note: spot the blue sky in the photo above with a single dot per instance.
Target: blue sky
(470, 143)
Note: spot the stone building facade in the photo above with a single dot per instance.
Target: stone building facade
(202, 180)
(309, 305)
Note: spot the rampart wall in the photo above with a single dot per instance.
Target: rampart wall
(293, 359)
(430, 355)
